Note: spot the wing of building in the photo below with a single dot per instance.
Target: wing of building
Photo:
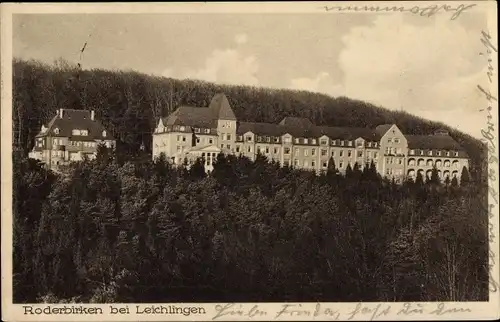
(70, 135)
(195, 132)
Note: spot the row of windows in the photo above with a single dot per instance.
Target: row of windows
(438, 153)
(393, 140)
(397, 172)
(275, 139)
(392, 160)
(393, 151)
(430, 163)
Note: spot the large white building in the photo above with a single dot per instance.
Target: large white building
(194, 132)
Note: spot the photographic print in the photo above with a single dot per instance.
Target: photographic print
(250, 161)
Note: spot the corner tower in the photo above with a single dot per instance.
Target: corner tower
(226, 122)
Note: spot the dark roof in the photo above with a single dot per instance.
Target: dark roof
(382, 129)
(433, 142)
(348, 133)
(192, 116)
(75, 119)
(261, 128)
(222, 109)
(299, 122)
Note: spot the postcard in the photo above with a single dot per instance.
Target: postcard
(250, 161)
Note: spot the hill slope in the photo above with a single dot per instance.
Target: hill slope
(128, 103)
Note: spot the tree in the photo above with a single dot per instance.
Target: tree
(464, 177)
(434, 179)
(419, 181)
(454, 182)
(197, 170)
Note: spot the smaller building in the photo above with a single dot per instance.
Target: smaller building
(71, 135)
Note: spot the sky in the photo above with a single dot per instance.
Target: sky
(429, 67)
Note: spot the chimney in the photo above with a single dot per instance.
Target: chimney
(61, 113)
(92, 115)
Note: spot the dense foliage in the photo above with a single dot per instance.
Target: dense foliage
(250, 231)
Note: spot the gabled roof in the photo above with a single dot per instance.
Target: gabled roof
(75, 119)
(192, 116)
(221, 108)
(433, 142)
(382, 129)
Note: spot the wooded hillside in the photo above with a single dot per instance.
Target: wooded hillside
(129, 103)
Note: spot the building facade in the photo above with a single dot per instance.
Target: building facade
(204, 132)
(71, 135)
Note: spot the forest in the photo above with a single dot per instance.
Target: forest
(125, 228)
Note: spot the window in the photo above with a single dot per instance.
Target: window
(429, 152)
(359, 144)
(341, 165)
(399, 151)
(375, 144)
(296, 162)
(178, 138)
(325, 164)
(389, 140)
(104, 133)
(400, 161)
(439, 153)
(56, 130)
(369, 144)
(456, 154)
(183, 128)
(341, 154)
(178, 148)
(297, 140)
(396, 140)
(368, 154)
(306, 141)
(276, 150)
(324, 142)
(306, 152)
(306, 164)
(313, 163)
(287, 151)
(421, 152)
(237, 148)
(249, 149)
(207, 131)
(334, 142)
(341, 143)
(228, 146)
(258, 149)
(267, 149)
(286, 163)
(197, 140)
(313, 141)
(296, 151)
(249, 138)
(375, 154)
(228, 137)
(276, 139)
(183, 138)
(323, 152)
(210, 141)
(360, 154)
(268, 139)
(287, 140)
(333, 153)
(313, 152)
(412, 152)
(223, 136)
(349, 153)
(196, 130)
(349, 143)
(75, 132)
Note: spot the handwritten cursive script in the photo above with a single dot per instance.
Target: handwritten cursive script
(427, 11)
(489, 136)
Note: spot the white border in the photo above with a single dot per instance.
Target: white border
(368, 311)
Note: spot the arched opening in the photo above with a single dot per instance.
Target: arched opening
(411, 173)
(447, 163)
(428, 174)
(438, 163)
(454, 174)
(421, 162)
(411, 162)
(429, 162)
(446, 174)
(455, 164)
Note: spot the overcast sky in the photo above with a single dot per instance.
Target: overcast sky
(427, 66)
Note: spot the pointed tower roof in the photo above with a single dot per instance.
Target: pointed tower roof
(220, 106)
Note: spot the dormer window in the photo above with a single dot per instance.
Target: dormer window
(183, 128)
(297, 140)
(313, 141)
(56, 131)
(306, 141)
(350, 143)
(75, 132)
(103, 133)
